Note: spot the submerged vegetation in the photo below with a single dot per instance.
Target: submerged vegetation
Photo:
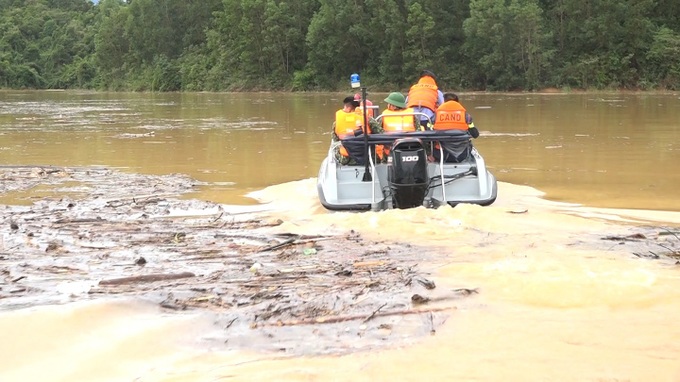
(218, 45)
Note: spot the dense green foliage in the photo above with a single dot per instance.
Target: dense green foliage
(192, 45)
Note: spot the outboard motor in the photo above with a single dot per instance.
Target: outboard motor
(407, 173)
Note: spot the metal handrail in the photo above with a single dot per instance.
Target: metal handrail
(415, 114)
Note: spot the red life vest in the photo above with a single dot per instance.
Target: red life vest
(423, 94)
(450, 116)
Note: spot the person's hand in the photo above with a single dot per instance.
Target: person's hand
(430, 158)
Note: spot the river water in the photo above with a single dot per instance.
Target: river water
(550, 307)
(604, 150)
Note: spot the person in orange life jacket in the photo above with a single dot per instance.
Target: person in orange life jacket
(451, 115)
(392, 120)
(396, 118)
(348, 123)
(370, 112)
(425, 97)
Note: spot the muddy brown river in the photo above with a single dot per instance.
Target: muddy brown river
(602, 149)
(178, 237)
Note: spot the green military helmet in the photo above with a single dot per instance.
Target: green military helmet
(397, 99)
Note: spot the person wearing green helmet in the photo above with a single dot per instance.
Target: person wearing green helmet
(396, 118)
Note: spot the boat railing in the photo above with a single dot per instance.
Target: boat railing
(356, 145)
(415, 114)
(454, 136)
(335, 146)
(374, 108)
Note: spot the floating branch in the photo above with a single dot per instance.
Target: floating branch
(147, 278)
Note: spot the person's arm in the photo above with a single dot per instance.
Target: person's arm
(471, 126)
(433, 118)
(334, 136)
(473, 131)
(376, 127)
(416, 123)
(440, 98)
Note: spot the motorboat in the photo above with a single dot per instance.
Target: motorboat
(409, 177)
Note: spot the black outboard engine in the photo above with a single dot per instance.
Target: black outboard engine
(407, 173)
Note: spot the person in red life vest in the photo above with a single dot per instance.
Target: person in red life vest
(397, 118)
(348, 123)
(370, 111)
(425, 97)
(451, 115)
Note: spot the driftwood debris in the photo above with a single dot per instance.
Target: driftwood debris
(199, 255)
(147, 278)
(336, 319)
(375, 312)
(428, 284)
(632, 237)
(646, 245)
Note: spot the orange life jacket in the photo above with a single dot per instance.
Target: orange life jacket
(450, 116)
(393, 121)
(345, 124)
(423, 94)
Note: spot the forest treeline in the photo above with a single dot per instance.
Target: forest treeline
(298, 45)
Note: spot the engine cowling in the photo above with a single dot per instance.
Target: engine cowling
(407, 173)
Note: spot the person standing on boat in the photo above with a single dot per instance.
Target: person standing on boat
(370, 112)
(425, 97)
(348, 123)
(451, 115)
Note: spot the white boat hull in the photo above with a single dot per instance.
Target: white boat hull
(344, 187)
